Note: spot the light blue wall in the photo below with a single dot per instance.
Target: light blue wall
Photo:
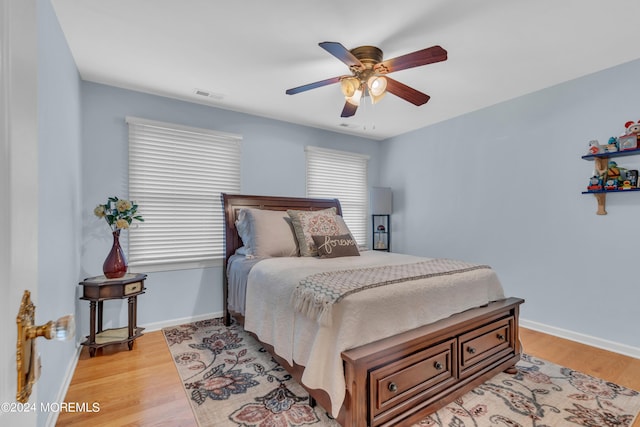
(273, 163)
(59, 179)
(500, 186)
(503, 186)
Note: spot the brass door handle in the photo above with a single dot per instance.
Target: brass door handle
(27, 358)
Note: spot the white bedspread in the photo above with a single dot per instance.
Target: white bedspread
(359, 318)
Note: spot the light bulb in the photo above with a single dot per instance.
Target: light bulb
(377, 85)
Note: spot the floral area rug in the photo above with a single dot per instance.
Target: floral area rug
(231, 381)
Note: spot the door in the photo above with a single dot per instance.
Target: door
(18, 190)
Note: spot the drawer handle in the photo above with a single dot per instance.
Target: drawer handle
(437, 365)
(501, 337)
(392, 387)
(471, 350)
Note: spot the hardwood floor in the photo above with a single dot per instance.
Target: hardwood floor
(141, 387)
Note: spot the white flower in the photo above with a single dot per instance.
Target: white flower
(119, 213)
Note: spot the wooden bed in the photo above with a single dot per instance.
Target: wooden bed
(401, 379)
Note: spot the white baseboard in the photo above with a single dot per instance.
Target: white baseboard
(52, 419)
(613, 346)
(156, 326)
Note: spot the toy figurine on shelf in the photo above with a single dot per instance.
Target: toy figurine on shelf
(632, 176)
(632, 127)
(595, 147)
(611, 184)
(614, 176)
(611, 146)
(595, 183)
(629, 141)
(626, 185)
(614, 171)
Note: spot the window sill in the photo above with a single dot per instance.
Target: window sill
(152, 268)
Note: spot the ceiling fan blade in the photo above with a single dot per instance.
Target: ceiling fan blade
(310, 86)
(349, 109)
(405, 92)
(342, 53)
(410, 60)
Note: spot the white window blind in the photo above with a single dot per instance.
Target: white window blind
(341, 175)
(176, 175)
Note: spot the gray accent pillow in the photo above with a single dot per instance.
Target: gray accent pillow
(336, 246)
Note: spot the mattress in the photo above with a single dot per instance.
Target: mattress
(358, 319)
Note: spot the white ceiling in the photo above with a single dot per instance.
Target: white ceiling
(248, 52)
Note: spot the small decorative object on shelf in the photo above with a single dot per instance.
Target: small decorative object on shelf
(628, 142)
(632, 127)
(595, 147)
(595, 183)
(626, 185)
(611, 146)
(630, 139)
(119, 214)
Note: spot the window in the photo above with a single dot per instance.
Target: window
(341, 175)
(176, 175)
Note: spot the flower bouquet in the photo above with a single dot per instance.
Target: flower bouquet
(119, 214)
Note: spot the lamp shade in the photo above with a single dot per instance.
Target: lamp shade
(381, 203)
(377, 85)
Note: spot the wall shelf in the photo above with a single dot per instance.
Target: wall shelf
(629, 190)
(381, 233)
(602, 163)
(613, 154)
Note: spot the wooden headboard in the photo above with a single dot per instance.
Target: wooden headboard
(232, 203)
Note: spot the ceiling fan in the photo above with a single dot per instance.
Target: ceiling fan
(369, 74)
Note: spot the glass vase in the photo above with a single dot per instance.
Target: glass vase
(115, 265)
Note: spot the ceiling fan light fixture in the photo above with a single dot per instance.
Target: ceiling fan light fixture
(377, 86)
(355, 98)
(349, 86)
(368, 74)
(375, 99)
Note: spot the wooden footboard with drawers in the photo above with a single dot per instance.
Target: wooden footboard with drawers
(401, 379)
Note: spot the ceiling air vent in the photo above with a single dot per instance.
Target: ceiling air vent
(208, 94)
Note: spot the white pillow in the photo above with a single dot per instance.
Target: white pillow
(266, 233)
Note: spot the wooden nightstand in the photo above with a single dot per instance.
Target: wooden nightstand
(97, 290)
